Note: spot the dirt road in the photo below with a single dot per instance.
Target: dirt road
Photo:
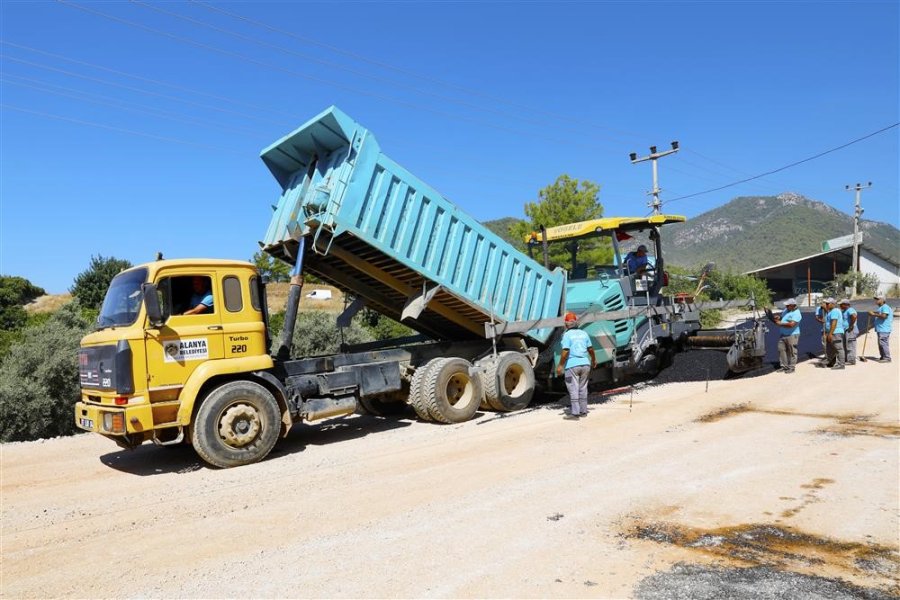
(751, 486)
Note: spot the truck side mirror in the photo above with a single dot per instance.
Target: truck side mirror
(151, 303)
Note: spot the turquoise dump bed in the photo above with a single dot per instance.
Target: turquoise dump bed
(375, 230)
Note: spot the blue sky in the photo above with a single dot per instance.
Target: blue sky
(129, 128)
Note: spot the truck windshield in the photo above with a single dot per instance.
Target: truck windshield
(123, 299)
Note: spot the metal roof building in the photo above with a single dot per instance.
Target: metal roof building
(809, 274)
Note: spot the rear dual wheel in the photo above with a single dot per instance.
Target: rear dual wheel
(451, 392)
(508, 382)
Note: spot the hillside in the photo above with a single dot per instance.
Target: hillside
(752, 232)
(756, 231)
(501, 228)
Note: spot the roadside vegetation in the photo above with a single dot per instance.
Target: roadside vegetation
(718, 285)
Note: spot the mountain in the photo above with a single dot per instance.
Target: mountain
(757, 231)
(501, 228)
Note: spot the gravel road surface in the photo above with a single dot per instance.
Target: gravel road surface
(766, 487)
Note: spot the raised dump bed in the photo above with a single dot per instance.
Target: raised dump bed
(375, 230)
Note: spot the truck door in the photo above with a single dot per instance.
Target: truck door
(189, 337)
(244, 333)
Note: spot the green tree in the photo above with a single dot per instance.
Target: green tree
(15, 292)
(39, 378)
(566, 200)
(271, 267)
(91, 284)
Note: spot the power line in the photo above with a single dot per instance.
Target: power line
(147, 79)
(788, 166)
(251, 60)
(128, 106)
(136, 89)
(428, 78)
(333, 65)
(117, 129)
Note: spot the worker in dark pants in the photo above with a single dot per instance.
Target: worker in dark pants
(851, 330)
(820, 317)
(789, 324)
(576, 361)
(883, 316)
(834, 335)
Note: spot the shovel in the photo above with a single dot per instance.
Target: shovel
(861, 356)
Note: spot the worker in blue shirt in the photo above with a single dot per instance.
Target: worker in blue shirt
(834, 335)
(202, 299)
(789, 324)
(637, 261)
(851, 330)
(576, 361)
(884, 317)
(820, 317)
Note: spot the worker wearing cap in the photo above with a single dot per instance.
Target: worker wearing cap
(884, 316)
(576, 361)
(820, 317)
(789, 324)
(851, 330)
(834, 335)
(637, 261)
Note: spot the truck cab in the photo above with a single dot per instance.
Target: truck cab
(153, 353)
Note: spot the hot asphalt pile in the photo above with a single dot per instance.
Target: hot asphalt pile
(700, 365)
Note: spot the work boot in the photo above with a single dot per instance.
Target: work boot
(837, 367)
(570, 417)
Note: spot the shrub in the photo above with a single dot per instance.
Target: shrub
(316, 333)
(91, 284)
(864, 284)
(382, 327)
(15, 292)
(719, 285)
(39, 378)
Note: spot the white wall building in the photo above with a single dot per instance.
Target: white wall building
(809, 274)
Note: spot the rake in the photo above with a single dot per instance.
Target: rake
(861, 356)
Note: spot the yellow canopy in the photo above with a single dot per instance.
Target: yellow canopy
(584, 228)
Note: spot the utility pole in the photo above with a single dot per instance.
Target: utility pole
(857, 213)
(653, 156)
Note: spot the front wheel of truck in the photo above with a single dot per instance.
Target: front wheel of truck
(237, 424)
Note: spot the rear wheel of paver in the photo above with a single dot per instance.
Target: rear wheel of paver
(509, 382)
(415, 390)
(237, 424)
(451, 392)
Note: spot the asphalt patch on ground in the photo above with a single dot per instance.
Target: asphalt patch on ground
(768, 561)
(700, 582)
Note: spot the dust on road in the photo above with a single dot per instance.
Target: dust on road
(756, 487)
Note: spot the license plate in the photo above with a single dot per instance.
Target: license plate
(86, 423)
